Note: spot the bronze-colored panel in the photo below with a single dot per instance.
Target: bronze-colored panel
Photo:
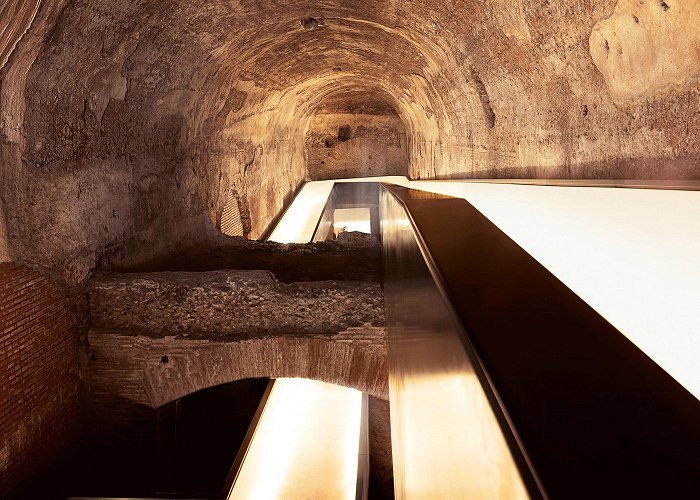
(583, 409)
(447, 442)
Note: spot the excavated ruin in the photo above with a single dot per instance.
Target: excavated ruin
(128, 125)
(133, 133)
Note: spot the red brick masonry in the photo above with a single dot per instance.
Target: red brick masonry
(38, 377)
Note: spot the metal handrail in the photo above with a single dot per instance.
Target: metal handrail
(540, 350)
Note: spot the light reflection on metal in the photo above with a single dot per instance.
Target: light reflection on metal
(446, 440)
(351, 219)
(306, 444)
(347, 196)
(298, 223)
(631, 254)
(452, 446)
(362, 490)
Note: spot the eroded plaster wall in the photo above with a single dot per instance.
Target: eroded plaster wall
(126, 125)
(647, 47)
(342, 145)
(23, 27)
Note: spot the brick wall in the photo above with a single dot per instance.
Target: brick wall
(39, 410)
(131, 368)
(129, 375)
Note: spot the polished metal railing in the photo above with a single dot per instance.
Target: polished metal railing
(447, 441)
(504, 383)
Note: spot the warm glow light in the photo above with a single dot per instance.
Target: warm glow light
(352, 219)
(299, 221)
(446, 440)
(452, 443)
(632, 254)
(306, 444)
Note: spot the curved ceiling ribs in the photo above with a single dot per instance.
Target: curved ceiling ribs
(284, 79)
(127, 125)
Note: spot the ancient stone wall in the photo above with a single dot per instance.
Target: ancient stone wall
(39, 413)
(355, 145)
(647, 48)
(23, 27)
(220, 305)
(126, 126)
(158, 337)
(132, 369)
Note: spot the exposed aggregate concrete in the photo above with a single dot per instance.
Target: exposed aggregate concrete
(222, 305)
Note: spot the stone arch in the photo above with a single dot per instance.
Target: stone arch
(336, 362)
(155, 371)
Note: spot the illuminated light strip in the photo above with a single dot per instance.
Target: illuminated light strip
(307, 441)
(299, 221)
(306, 444)
(631, 254)
(452, 443)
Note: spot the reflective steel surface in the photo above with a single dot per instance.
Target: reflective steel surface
(585, 412)
(349, 196)
(504, 382)
(446, 440)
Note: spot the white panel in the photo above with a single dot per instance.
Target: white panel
(306, 444)
(632, 254)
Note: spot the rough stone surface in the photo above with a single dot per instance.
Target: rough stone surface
(126, 125)
(352, 256)
(153, 371)
(19, 47)
(157, 337)
(345, 145)
(221, 305)
(648, 47)
(16, 16)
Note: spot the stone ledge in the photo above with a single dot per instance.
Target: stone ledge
(230, 305)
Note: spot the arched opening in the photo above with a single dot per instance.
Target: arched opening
(188, 447)
(200, 434)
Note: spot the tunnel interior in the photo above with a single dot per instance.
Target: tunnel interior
(130, 130)
(137, 136)
(355, 133)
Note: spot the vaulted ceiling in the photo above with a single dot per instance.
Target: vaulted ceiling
(127, 124)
